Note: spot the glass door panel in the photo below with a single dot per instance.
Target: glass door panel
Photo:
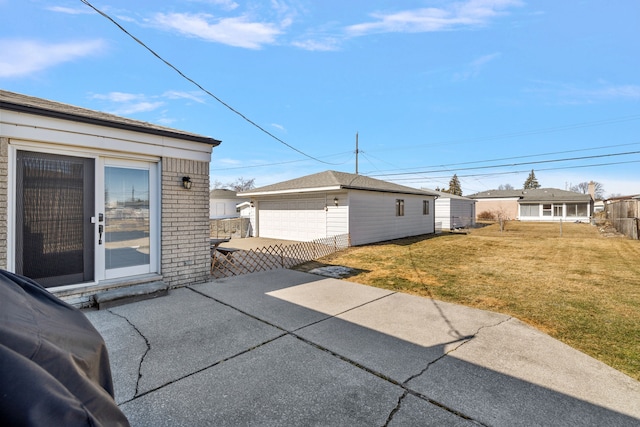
(127, 221)
(54, 206)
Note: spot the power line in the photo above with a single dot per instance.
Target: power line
(420, 179)
(198, 85)
(514, 157)
(513, 164)
(287, 162)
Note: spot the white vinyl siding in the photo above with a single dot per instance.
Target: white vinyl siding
(372, 217)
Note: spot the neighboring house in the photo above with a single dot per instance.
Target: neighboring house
(93, 201)
(540, 204)
(454, 211)
(334, 203)
(224, 204)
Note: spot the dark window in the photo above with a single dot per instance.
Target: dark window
(399, 207)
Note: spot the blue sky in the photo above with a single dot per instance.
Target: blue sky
(485, 89)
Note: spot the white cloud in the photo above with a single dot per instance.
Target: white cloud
(137, 107)
(193, 96)
(119, 97)
(70, 10)
(23, 57)
(279, 127)
(238, 31)
(129, 103)
(475, 67)
(224, 4)
(323, 45)
(570, 94)
(457, 15)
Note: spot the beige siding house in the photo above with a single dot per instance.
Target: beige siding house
(333, 203)
(539, 204)
(93, 201)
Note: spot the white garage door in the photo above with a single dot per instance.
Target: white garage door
(299, 219)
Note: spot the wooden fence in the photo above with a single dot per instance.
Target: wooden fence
(624, 215)
(227, 263)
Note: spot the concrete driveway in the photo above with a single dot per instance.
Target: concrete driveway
(288, 348)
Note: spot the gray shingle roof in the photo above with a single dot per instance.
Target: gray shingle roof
(336, 180)
(29, 104)
(445, 195)
(534, 195)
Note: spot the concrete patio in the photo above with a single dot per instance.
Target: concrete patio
(288, 348)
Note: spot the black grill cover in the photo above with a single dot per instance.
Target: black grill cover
(54, 367)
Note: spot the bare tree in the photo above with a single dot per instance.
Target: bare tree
(505, 187)
(583, 188)
(241, 184)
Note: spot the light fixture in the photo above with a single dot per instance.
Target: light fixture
(251, 204)
(186, 182)
(335, 201)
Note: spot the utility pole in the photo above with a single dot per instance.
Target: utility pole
(357, 151)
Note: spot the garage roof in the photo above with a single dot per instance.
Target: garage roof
(332, 180)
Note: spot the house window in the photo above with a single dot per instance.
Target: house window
(557, 210)
(530, 210)
(399, 207)
(425, 207)
(546, 209)
(577, 209)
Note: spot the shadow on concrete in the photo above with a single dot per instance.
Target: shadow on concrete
(258, 354)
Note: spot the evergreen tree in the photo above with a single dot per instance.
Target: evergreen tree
(532, 181)
(454, 186)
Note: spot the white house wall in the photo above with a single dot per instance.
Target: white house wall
(372, 216)
(223, 208)
(443, 212)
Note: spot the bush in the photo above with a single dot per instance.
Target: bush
(487, 216)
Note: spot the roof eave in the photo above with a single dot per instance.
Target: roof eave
(29, 109)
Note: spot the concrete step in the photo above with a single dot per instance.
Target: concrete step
(129, 294)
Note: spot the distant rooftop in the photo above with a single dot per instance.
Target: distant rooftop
(335, 180)
(533, 195)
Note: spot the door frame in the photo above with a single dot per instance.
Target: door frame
(154, 226)
(99, 156)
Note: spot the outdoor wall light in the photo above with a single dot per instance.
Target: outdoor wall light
(186, 182)
(335, 201)
(251, 204)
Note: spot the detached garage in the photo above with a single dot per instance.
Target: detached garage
(334, 203)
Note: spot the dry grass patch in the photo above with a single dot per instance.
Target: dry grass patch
(577, 286)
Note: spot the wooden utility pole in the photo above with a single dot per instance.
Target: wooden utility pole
(357, 151)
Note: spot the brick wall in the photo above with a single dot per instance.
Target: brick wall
(4, 183)
(185, 223)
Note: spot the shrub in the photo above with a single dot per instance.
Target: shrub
(487, 216)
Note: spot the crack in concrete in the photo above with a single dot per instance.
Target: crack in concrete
(403, 385)
(226, 359)
(465, 340)
(396, 409)
(148, 344)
